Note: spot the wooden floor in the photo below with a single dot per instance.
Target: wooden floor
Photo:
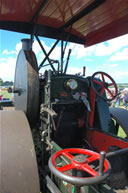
(8, 108)
(121, 191)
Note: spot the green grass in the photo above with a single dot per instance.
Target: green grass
(6, 94)
(121, 133)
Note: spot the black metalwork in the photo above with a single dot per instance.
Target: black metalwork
(66, 65)
(45, 53)
(62, 55)
(121, 117)
(41, 30)
(117, 152)
(49, 183)
(61, 68)
(42, 63)
(69, 34)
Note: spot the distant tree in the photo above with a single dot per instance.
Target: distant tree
(1, 81)
(7, 83)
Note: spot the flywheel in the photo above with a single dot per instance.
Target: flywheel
(18, 165)
(26, 85)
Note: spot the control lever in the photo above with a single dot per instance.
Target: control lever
(101, 164)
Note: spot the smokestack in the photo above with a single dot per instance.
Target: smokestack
(26, 44)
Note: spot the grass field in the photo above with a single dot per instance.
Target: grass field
(6, 94)
(121, 133)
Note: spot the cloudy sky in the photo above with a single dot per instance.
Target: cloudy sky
(110, 56)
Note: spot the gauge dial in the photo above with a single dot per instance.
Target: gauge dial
(72, 84)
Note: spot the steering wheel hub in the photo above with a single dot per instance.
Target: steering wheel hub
(80, 159)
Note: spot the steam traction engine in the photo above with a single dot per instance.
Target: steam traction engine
(75, 137)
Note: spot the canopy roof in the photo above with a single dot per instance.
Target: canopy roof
(81, 21)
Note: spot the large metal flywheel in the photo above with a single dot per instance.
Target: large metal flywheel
(26, 85)
(18, 165)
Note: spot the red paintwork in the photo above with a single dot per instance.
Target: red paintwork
(84, 166)
(92, 97)
(0, 97)
(64, 94)
(107, 21)
(81, 123)
(102, 141)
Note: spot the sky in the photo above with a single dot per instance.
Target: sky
(110, 56)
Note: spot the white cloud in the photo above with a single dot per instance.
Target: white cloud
(18, 47)
(36, 47)
(101, 49)
(111, 46)
(76, 70)
(118, 76)
(123, 55)
(2, 59)
(7, 66)
(6, 52)
(80, 51)
(110, 65)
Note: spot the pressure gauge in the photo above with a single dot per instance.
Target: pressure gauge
(72, 84)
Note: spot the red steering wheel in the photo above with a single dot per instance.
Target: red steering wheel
(104, 86)
(65, 163)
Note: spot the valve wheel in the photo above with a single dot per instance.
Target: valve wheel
(103, 85)
(66, 163)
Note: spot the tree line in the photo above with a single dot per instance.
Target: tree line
(5, 83)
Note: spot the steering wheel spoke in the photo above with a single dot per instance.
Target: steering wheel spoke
(111, 94)
(102, 91)
(91, 159)
(67, 155)
(89, 170)
(111, 84)
(66, 167)
(103, 79)
(98, 82)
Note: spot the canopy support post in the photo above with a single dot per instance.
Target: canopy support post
(62, 55)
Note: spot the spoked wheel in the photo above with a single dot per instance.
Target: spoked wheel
(78, 161)
(26, 85)
(100, 85)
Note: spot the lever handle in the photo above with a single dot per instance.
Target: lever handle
(101, 164)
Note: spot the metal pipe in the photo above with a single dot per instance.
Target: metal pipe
(101, 164)
(26, 44)
(84, 70)
(62, 54)
(49, 102)
(49, 183)
(66, 66)
(118, 152)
